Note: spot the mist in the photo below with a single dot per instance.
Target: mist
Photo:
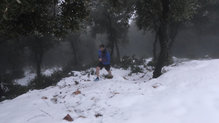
(68, 34)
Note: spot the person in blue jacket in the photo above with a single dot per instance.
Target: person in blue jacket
(104, 62)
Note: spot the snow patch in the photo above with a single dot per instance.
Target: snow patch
(187, 93)
(30, 75)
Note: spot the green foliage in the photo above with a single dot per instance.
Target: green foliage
(11, 93)
(41, 17)
(164, 17)
(183, 10)
(151, 63)
(8, 89)
(40, 23)
(46, 81)
(73, 13)
(149, 12)
(111, 18)
(14, 90)
(126, 62)
(136, 69)
(28, 18)
(133, 63)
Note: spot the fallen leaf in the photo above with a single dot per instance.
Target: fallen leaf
(81, 117)
(77, 92)
(68, 118)
(156, 85)
(45, 98)
(116, 92)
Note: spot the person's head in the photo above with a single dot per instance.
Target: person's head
(102, 47)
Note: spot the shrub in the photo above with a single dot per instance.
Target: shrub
(133, 63)
(46, 81)
(10, 91)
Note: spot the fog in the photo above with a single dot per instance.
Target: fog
(197, 39)
(190, 42)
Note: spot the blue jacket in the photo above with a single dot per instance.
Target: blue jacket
(105, 57)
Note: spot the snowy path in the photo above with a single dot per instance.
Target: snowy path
(188, 93)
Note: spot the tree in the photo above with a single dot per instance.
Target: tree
(157, 16)
(203, 21)
(12, 60)
(112, 17)
(74, 40)
(75, 24)
(41, 22)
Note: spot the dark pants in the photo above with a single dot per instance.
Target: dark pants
(106, 66)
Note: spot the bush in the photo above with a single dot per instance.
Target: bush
(136, 69)
(151, 63)
(46, 81)
(126, 62)
(8, 91)
(133, 63)
(37, 83)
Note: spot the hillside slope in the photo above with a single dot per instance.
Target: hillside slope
(186, 93)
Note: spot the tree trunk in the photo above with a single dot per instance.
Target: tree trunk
(173, 31)
(38, 50)
(1, 89)
(111, 38)
(163, 39)
(155, 48)
(38, 69)
(74, 50)
(163, 56)
(54, 8)
(111, 48)
(117, 51)
(38, 59)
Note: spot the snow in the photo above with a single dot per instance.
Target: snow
(49, 72)
(187, 93)
(29, 75)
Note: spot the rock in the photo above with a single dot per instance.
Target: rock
(116, 93)
(76, 82)
(108, 76)
(156, 85)
(98, 115)
(54, 100)
(77, 92)
(44, 98)
(68, 118)
(81, 116)
(125, 78)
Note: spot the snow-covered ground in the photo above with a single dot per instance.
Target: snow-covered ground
(30, 75)
(186, 93)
